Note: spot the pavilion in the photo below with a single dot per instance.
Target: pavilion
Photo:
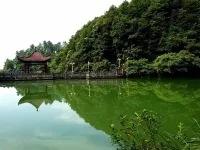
(34, 59)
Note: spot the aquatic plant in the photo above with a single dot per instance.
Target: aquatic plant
(143, 132)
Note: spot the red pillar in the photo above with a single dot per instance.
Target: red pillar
(28, 68)
(45, 68)
(25, 68)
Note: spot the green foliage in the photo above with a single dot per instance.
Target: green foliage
(139, 67)
(101, 66)
(144, 31)
(8, 65)
(142, 132)
(136, 30)
(139, 132)
(182, 62)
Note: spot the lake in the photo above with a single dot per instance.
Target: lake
(77, 114)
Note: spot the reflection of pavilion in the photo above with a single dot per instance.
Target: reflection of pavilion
(36, 95)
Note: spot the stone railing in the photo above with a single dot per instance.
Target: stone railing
(51, 76)
(23, 76)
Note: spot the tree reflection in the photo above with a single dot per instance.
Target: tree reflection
(99, 103)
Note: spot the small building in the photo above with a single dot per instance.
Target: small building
(34, 59)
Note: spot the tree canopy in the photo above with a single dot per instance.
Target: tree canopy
(148, 32)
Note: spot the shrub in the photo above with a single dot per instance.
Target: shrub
(139, 67)
(182, 62)
(142, 132)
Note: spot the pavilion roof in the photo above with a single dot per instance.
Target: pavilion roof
(34, 57)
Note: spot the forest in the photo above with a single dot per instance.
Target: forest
(145, 37)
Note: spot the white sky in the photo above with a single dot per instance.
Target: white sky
(26, 22)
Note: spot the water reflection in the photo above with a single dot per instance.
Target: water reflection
(178, 91)
(36, 96)
(73, 93)
(55, 126)
(101, 102)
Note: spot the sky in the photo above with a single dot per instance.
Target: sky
(26, 22)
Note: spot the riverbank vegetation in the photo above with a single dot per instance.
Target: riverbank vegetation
(160, 37)
(142, 132)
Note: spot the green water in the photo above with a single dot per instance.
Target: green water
(76, 115)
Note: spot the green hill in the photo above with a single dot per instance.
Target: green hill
(155, 36)
(149, 37)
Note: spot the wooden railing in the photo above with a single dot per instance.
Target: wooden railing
(51, 76)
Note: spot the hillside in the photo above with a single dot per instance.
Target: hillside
(149, 36)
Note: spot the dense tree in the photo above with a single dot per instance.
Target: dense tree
(142, 31)
(176, 63)
(139, 67)
(146, 30)
(9, 65)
